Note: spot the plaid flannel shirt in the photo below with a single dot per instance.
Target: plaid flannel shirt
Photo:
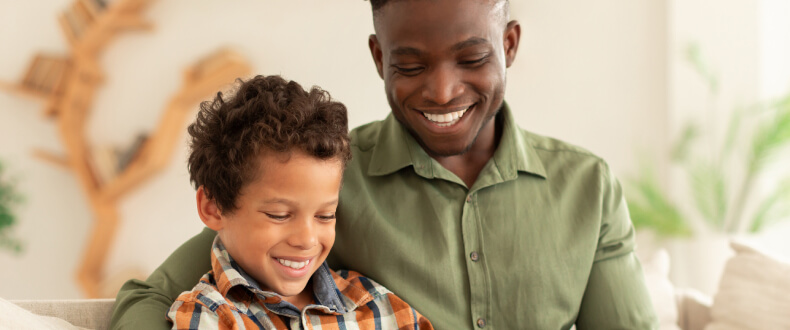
(227, 298)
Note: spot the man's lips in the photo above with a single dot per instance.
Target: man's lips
(446, 118)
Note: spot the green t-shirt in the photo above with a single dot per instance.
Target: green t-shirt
(542, 239)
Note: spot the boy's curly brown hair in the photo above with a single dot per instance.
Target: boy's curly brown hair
(265, 114)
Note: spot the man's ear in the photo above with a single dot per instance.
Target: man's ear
(510, 42)
(208, 211)
(375, 51)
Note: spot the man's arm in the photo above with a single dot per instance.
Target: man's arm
(144, 304)
(616, 296)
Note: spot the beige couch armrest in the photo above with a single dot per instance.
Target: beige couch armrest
(693, 309)
(86, 313)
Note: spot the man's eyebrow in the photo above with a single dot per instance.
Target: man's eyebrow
(406, 51)
(474, 41)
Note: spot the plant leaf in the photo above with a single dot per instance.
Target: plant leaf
(650, 208)
(708, 185)
(774, 208)
(681, 148)
(770, 137)
(694, 56)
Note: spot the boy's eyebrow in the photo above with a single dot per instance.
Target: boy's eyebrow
(292, 203)
(280, 201)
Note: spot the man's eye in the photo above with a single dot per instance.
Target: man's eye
(278, 217)
(475, 61)
(408, 70)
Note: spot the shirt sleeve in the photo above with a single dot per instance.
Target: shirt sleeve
(422, 322)
(405, 316)
(189, 315)
(616, 296)
(143, 304)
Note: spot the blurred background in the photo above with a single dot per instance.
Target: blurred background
(684, 99)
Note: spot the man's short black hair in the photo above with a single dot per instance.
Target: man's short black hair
(377, 4)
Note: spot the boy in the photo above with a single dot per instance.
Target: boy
(267, 165)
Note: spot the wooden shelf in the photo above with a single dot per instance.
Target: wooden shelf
(68, 85)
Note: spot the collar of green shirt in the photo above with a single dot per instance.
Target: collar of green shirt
(396, 149)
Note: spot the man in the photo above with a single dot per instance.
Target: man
(448, 203)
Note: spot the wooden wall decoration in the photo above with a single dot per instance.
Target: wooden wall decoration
(68, 84)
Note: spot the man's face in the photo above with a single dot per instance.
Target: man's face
(443, 63)
(284, 226)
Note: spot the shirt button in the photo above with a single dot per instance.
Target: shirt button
(474, 256)
(481, 323)
(469, 199)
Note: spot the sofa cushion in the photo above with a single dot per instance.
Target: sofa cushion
(87, 313)
(754, 292)
(662, 292)
(15, 317)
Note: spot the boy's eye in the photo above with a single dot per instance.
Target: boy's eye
(325, 217)
(276, 216)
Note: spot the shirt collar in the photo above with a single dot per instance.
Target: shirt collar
(333, 293)
(396, 148)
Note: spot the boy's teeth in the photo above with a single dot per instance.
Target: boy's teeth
(293, 264)
(445, 119)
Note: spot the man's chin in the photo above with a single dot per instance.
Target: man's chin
(446, 150)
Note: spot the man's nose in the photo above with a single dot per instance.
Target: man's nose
(303, 235)
(442, 85)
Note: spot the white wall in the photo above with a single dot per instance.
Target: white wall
(592, 73)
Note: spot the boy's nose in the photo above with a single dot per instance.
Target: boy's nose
(304, 235)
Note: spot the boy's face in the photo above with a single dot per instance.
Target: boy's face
(284, 226)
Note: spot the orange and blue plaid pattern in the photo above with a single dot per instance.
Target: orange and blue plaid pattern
(228, 298)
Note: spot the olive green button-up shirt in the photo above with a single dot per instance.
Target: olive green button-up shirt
(542, 239)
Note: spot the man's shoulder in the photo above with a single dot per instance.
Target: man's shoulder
(559, 157)
(364, 137)
(549, 145)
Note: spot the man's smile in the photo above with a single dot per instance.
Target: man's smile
(446, 119)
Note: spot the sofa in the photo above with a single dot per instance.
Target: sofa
(693, 311)
(754, 293)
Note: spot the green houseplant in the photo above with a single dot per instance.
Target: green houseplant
(9, 199)
(721, 176)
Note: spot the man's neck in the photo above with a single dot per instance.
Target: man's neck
(468, 165)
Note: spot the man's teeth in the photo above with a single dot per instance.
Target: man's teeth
(293, 264)
(445, 119)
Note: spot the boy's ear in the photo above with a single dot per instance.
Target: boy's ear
(208, 211)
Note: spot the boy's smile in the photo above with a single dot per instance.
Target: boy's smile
(284, 224)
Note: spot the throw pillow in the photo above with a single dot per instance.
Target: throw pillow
(754, 292)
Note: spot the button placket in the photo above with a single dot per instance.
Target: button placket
(474, 256)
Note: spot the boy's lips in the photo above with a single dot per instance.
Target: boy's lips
(294, 266)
